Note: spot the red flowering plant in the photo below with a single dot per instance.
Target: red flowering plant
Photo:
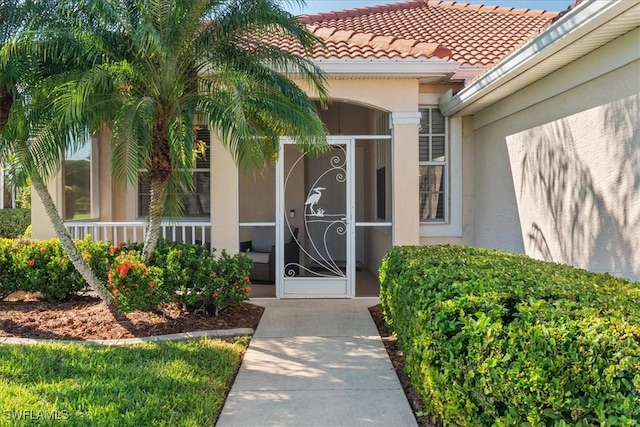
(97, 255)
(134, 285)
(229, 282)
(200, 281)
(42, 266)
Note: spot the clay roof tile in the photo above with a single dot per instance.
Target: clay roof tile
(467, 33)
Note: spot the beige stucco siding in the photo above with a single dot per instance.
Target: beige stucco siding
(560, 179)
(400, 97)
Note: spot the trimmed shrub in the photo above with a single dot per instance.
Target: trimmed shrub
(186, 274)
(492, 338)
(13, 222)
(134, 285)
(42, 266)
(200, 281)
(8, 278)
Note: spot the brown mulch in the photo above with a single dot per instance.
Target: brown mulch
(397, 359)
(87, 318)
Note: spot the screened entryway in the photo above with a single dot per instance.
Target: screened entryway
(317, 227)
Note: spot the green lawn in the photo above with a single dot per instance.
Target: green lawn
(160, 384)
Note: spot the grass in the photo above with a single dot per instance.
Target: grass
(160, 384)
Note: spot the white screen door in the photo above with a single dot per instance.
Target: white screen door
(315, 228)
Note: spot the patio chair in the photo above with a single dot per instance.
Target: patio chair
(262, 251)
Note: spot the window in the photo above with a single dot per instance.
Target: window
(196, 203)
(80, 196)
(433, 165)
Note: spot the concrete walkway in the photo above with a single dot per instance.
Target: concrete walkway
(316, 363)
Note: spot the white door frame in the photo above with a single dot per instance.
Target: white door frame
(321, 287)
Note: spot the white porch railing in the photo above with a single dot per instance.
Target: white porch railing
(194, 232)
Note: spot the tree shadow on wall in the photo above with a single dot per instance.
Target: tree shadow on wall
(591, 224)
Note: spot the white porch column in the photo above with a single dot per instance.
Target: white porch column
(224, 199)
(405, 183)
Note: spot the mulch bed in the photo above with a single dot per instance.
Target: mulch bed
(87, 318)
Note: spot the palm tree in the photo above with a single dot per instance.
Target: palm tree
(12, 17)
(28, 135)
(159, 68)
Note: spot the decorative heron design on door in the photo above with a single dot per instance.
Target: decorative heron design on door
(325, 230)
(313, 200)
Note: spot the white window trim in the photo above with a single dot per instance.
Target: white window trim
(452, 226)
(94, 184)
(444, 164)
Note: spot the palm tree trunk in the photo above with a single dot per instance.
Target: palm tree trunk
(67, 243)
(160, 169)
(156, 212)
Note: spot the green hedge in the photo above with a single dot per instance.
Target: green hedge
(14, 222)
(42, 266)
(187, 274)
(492, 338)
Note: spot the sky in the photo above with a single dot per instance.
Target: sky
(315, 6)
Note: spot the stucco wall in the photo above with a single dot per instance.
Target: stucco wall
(560, 179)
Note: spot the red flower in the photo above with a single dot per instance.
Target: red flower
(213, 275)
(113, 249)
(31, 262)
(151, 284)
(86, 256)
(43, 250)
(246, 278)
(215, 295)
(122, 270)
(247, 289)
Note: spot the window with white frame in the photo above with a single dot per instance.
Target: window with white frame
(433, 165)
(80, 182)
(196, 203)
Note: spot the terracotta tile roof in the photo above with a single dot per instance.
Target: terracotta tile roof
(341, 44)
(469, 34)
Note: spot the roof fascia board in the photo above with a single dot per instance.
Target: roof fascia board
(392, 68)
(575, 24)
(617, 54)
(468, 72)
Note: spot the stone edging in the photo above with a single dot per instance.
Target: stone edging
(218, 333)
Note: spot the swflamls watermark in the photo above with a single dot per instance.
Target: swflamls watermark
(34, 415)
